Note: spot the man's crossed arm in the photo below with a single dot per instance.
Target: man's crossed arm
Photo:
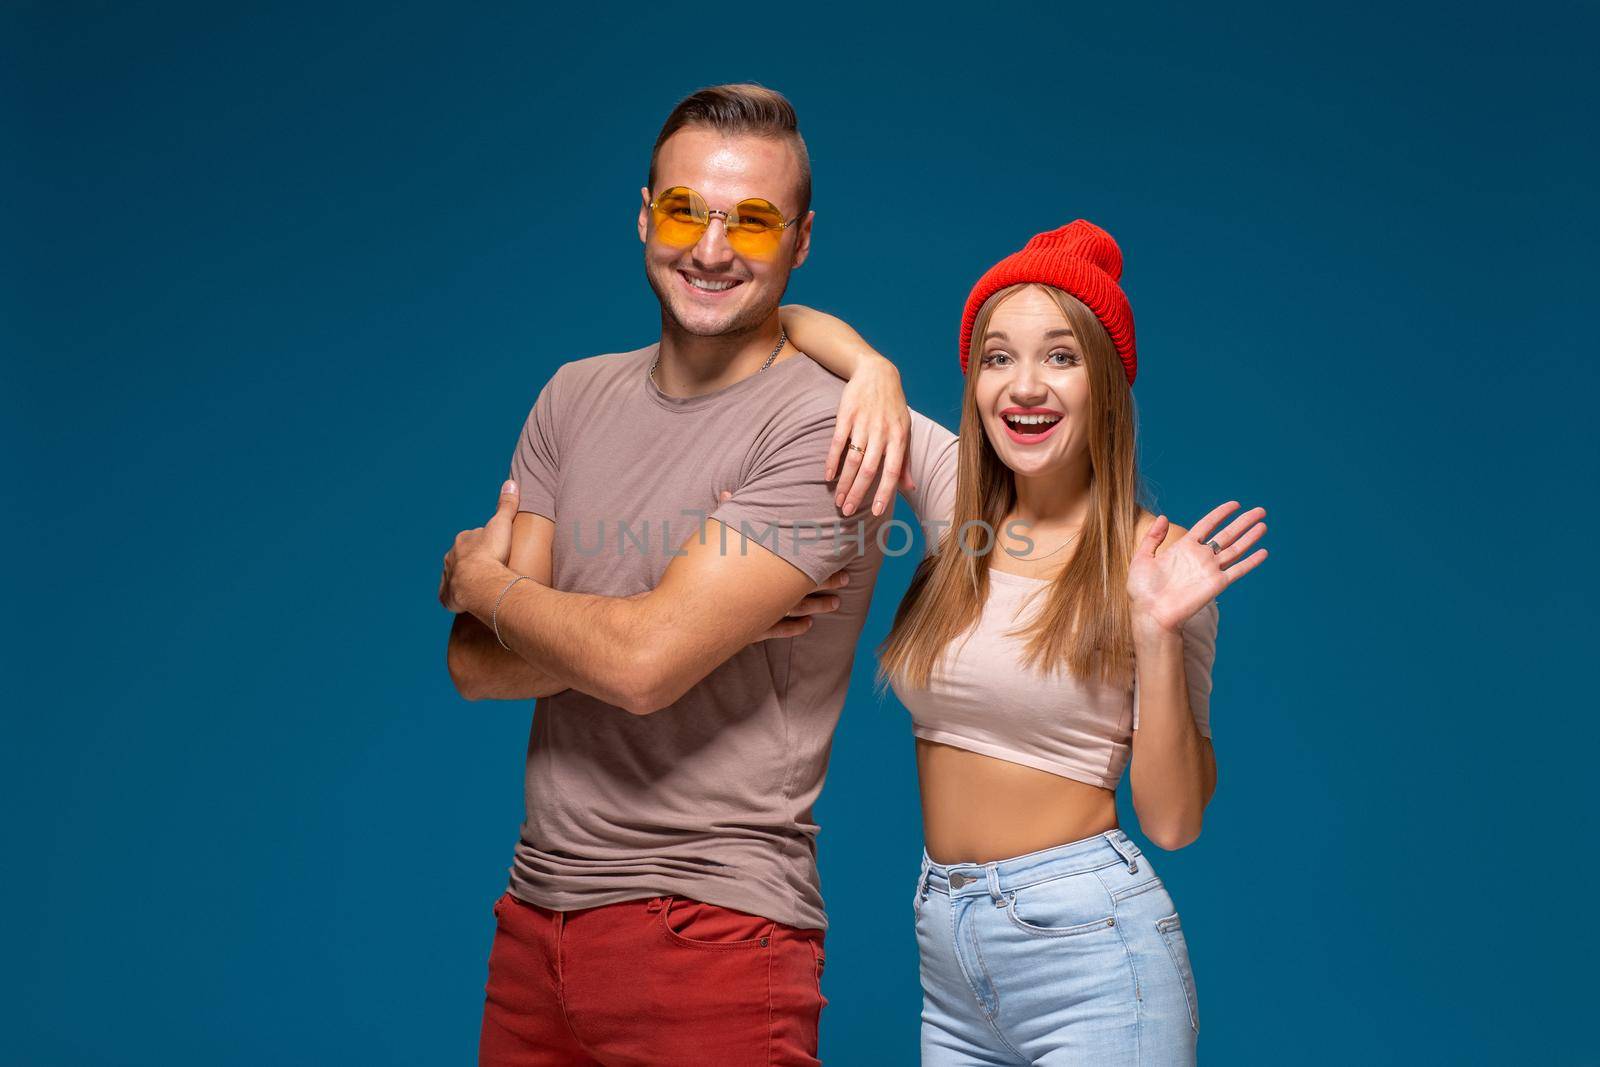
(641, 652)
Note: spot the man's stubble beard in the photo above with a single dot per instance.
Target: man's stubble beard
(748, 321)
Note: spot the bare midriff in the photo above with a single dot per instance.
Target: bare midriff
(977, 809)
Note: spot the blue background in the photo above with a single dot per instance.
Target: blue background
(281, 283)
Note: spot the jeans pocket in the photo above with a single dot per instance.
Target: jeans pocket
(693, 924)
(1061, 907)
(1171, 931)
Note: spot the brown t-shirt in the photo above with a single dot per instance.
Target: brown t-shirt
(710, 798)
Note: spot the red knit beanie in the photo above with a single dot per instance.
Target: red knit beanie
(1079, 258)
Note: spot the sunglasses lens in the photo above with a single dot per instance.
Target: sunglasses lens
(755, 227)
(680, 216)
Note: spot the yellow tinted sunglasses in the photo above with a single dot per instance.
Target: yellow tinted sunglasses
(754, 226)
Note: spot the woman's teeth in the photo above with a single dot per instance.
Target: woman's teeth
(1036, 423)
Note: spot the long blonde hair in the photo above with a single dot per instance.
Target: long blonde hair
(1085, 623)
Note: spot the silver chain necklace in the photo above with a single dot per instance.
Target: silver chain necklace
(783, 339)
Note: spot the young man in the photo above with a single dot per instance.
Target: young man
(664, 905)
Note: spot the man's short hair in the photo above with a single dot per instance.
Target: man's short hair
(739, 108)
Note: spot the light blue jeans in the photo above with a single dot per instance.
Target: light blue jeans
(1072, 955)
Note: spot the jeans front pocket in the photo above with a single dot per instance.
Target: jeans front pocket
(1061, 907)
(1171, 931)
(693, 924)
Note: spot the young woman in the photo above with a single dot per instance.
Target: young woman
(1057, 634)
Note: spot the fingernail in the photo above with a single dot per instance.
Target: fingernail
(509, 487)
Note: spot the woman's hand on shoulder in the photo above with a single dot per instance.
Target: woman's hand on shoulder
(1175, 573)
(873, 416)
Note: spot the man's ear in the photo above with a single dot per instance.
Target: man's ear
(802, 245)
(644, 213)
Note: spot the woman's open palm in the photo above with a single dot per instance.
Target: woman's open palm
(1167, 587)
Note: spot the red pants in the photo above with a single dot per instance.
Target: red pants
(654, 982)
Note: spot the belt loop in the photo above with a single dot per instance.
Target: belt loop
(994, 884)
(924, 878)
(1124, 848)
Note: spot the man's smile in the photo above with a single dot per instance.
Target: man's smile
(707, 284)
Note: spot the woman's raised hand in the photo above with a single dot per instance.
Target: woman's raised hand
(872, 414)
(1166, 588)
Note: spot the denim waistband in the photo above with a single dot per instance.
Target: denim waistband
(1004, 876)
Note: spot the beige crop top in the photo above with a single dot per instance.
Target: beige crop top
(981, 696)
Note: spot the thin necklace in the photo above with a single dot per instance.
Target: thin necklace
(783, 338)
(1053, 551)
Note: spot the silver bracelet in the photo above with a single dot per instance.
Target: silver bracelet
(494, 616)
